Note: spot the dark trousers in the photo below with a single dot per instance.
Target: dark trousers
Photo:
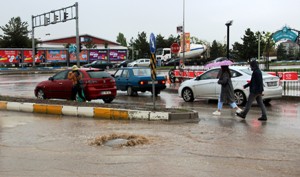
(259, 101)
(76, 89)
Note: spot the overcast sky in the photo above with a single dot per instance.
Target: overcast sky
(203, 19)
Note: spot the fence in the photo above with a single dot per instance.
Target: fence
(291, 88)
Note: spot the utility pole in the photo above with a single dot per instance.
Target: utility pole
(77, 36)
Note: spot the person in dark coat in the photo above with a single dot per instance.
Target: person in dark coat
(227, 93)
(256, 92)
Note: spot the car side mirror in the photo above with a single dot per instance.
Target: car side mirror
(51, 79)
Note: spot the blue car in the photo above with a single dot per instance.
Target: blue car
(134, 79)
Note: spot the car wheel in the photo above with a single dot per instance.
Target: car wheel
(129, 91)
(135, 65)
(240, 97)
(108, 100)
(40, 94)
(187, 95)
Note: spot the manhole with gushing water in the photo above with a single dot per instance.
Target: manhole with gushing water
(119, 140)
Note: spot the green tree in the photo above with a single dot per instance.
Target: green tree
(281, 52)
(122, 40)
(217, 50)
(270, 45)
(160, 41)
(15, 34)
(165, 43)
(141, 44)
(248, 49)
(171, 40)
(89, 44)
(195, 40)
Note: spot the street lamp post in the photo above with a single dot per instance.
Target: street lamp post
(228, 24)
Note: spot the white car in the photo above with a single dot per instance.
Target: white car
(205, 86)
(139, 62)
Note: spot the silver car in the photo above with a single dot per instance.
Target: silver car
(205, 86)
(139, 62)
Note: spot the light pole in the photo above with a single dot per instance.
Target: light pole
(258, 53)
(228, 24)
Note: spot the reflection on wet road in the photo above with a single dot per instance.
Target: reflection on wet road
(42, 145)
(49, 145)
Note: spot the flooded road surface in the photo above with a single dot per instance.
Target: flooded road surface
(37, 145)
(34, 145)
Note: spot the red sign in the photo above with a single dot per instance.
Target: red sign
(175, 48)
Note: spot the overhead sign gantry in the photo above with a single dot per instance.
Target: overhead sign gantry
(53, 17)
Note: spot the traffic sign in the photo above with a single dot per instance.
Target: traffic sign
(175, 48)
(152, 43)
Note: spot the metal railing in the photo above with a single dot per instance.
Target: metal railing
(291, 88)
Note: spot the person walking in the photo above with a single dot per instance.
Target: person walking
(256, 92)
(227, 93)
(75, 77)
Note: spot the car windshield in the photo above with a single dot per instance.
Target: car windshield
(99, 74)
(94, 62)
(159, 52)
(141, 72)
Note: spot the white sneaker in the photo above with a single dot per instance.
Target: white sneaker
(217, 113)
(239, 110)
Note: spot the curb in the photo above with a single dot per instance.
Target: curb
(96, 112)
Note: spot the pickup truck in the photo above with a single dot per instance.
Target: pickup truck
(134, 79)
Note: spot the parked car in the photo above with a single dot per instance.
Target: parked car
(97, 84)
(139, 62)
(134, 79)
(205, 86)
(101, 64)
(172, 62)
(122, 64)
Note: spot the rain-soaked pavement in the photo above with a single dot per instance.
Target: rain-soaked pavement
(45, 145)
(37, 145)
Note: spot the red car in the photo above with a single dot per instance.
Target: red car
(97, 84)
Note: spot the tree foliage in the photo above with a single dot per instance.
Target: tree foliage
(141, 45)
(160, 41)
(121, 39)
(15, 34)
(281, 52)
(248, 49)
(217, 50)
(89, 44)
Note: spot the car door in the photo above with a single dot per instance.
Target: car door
(207, 86)
(61, 86)
(140, 62)
(147, 62)
(121, 77)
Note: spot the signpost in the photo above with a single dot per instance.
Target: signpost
(153, 65)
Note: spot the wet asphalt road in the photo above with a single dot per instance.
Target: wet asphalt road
(46, 145)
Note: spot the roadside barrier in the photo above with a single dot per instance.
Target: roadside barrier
(95, 112)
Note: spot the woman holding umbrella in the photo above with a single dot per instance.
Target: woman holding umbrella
(227, 93)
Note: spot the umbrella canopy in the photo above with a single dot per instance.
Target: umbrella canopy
(217, 64)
